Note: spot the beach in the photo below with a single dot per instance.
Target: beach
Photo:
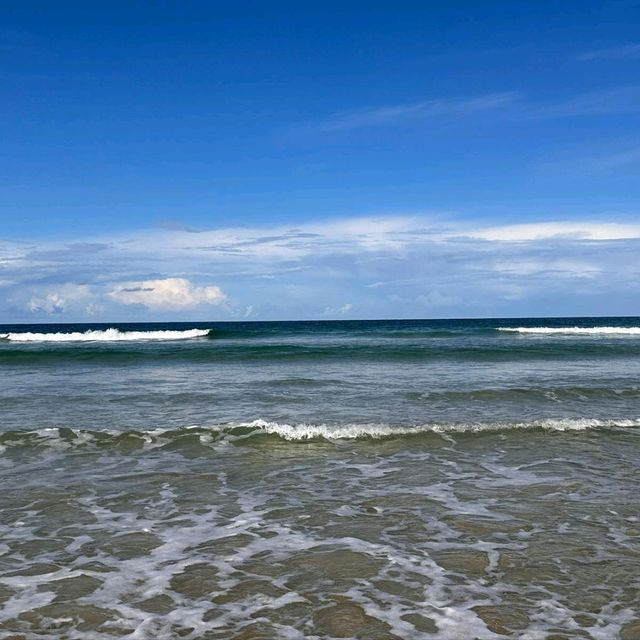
(444, 479)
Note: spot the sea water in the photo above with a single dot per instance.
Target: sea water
(376, 479)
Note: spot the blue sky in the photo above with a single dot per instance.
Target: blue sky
(273, 160)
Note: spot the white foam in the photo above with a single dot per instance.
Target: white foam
(580, 331)
(56, 439)
(106, 335)
(355, 431)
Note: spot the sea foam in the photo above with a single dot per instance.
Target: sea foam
(237, 432)
(358, 431)
(586, 331)
(106, 335)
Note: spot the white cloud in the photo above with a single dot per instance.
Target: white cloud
(555, 267)
(63, 298)
(167, 293)
(560, 230)
(338, 311)
(51, 303)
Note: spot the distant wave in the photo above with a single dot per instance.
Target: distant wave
(586, 331)
(257, 430)
(106, 335)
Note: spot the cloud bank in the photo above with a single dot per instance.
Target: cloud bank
(391, 266)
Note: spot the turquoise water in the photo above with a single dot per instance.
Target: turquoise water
(391, 479)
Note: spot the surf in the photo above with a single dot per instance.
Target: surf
(105, 335)
(59, 438)
(576, 331)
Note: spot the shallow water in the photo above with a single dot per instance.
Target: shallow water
(302, 481)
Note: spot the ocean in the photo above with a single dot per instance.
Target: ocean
(449, 479)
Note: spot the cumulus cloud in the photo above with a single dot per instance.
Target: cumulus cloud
(51, 303)
(63, 298)
(167, 293)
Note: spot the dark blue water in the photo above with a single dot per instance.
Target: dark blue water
(398, 373)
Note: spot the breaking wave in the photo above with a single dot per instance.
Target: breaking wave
(360, 431)
(106, 335)
(587, 331)
(258, 430)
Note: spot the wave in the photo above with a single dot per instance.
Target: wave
(63, 438)
(587, 331)
(106, 335)
(304, 431)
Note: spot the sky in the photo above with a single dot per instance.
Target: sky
(321, 160)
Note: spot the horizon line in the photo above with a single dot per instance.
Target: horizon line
(318, 320)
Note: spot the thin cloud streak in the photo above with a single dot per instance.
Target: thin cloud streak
(625, 52)
(511, 106)
(616, 160)
(612, 101)
(397, 114)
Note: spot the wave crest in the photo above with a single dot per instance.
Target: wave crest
(105, 335)
(586, 331)
(257, 430)
(359, 431)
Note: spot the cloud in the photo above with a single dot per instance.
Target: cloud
(625, 52)
(338, 311)
(511, 106)
(624, 158)
(385, 266)
(61, 299)
(168, 293)
(552, 267)
(400, 113)
(51, 304)
(559, 230)
(613, 101)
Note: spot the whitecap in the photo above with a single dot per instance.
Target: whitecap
(106, 335)
(586, 331)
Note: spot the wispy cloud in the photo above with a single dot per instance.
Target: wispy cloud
(510, 105)
(401, 113)
(333, 312)
(611, 101)
(629, 156)
(598, 231)
(628, 51)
